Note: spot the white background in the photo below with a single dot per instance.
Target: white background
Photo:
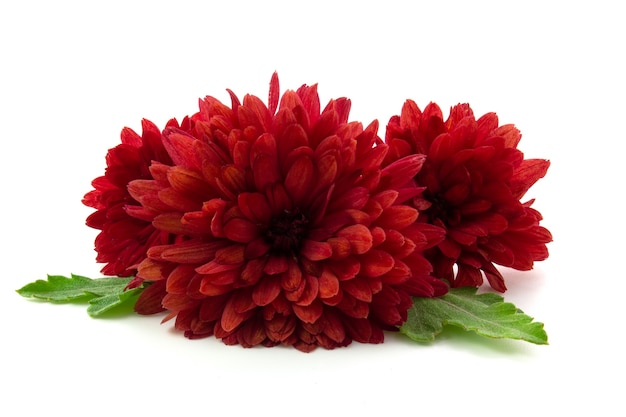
(72, 74)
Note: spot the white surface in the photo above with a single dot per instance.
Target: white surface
(73, 74)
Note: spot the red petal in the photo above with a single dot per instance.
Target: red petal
(386, 198)
(359, 236)
(257, 248)
(180, 146)
(309, 313)
(442, 148)
(253, 271)
(310, 101)
(232, 180)
(243, 301)
(346, 268)
(397, 217)
(187, 181)
(151, 270)
(215, 267)
(240, 230)
(252, 333)
(411, 115)
(359, 289)
(231, 318)
(316, 251)
(353, 307)
(355, 198)
(450, 248)
(328, 284)
(462, 237)
(340, 247)
(359, 329)
(208, 288)
(299, 180)
(376, 263)
(254, 206)
(150, 300)
(178, 303)
(333, 326)
(191, 252)
(528, 173)
(266, 290)
(278, 198)
(310, 291)
(400, 172)
(146, 192)
(264, 161)
(494, 277)
(276, 265)
(129, 137)
(510, 134)
(254, 113)
(327, 168)
(265, 169)
(274, 94)
(232, 254)
(211, 308)
(401, 272)
(179, 279)
(292, 278)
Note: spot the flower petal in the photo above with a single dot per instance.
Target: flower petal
(240, 230)
(266, 290)
(376, 263)
(309, 313)
(359, 236)
(316, 251)
(328, 284)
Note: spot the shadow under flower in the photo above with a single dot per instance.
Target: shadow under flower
(458, 338)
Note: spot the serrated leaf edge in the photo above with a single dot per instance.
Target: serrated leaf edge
(434, 332)
(85, 295)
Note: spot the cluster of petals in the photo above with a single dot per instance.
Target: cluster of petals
(288, 224)
(276, 224)
(474, 177)
(124, 239)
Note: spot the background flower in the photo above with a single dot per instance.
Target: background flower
(474, 177)
(126, 227)
(289, 231)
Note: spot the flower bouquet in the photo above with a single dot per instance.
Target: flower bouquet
(288, 224)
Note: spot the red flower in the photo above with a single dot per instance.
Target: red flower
(474, 177)
(126, 228)
(290, 232)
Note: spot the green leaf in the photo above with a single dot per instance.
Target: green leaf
(103, 294)
(100, 305)
(486, 314)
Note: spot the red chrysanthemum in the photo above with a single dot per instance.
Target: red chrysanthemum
(126, 227)
(474, 177)
(290, 232)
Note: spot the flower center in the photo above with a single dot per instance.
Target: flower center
(286, 231)
(441, 210)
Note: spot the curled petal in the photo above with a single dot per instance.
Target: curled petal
(316, 251)
(359, 236)
(309, 313)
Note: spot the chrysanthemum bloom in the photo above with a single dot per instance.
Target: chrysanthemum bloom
(291, 232)
(126, 228)
(474, 177)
